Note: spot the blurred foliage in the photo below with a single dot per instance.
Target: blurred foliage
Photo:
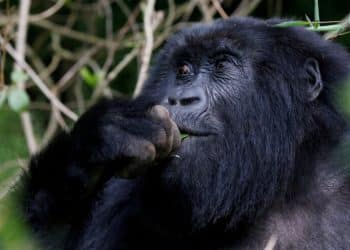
(13, 144)
(14, 233)
(88, 49)
(343, 98)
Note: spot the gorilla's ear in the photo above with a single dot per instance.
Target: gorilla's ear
(314, 84)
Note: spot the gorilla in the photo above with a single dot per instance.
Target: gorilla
(256, 169)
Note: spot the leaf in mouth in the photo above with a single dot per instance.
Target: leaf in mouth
(183, 136)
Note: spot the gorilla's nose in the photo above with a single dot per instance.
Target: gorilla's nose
(186, 99)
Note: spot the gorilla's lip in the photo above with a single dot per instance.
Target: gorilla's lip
(194, 132)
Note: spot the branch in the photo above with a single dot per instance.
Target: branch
(8, 183)
(271, 243)
(79, 96)
(47, 13)
(114, 73)
(73, 34)
(147, 52)
(50, 130)
(109, 34)
(20, 50)
(36, 79)
(204, 8)
(219, 9)
(62, 30)
(345, 25)
(73, 70)
(246, 7)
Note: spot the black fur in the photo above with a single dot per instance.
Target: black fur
(262, 172)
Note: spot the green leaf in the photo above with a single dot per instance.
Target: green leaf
(91, 78)
(292, 24)
(19, 76)
(18, 99)
(184, 136)
(3, 95)
(324, 28)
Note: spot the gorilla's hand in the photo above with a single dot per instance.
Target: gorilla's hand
(126, 141)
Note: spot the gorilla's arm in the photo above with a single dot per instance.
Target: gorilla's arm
(112, 138)
(55, 183)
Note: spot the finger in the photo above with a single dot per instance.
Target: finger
(176, 136)
(161, 142)
(161, 115)
(159, 112)
(139, 155)
(139, 149)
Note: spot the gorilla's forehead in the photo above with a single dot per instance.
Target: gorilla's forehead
(233, 34)
(194, 47)
(260, 44)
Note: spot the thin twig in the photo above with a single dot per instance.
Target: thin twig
(20, 51)
(131, 20)
(147, 51)
(123, 7)
(204, 8)
(56, 117)
(126, 60)
(130, 24)
(109, 34)
(219, 9)
(188, 10)
(59, 118)
(55, 61)
(49, 12)
(246, 7)
(6, 186)
(73, 34)
(57, 48)
(114, 73)
(9, 184)
(79, 96)
(73, 70)
(64, 31)
(39, 66)
(37, 80)
(345, 25)
(271, 243)
(50, 130)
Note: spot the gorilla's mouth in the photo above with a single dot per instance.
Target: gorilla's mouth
(196, 132)
(192, 127)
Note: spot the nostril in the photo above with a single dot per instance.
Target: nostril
(171, 101)
(189, 100)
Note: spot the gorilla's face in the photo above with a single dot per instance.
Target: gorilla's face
(204, 80)
(245, 92)
(205, 77)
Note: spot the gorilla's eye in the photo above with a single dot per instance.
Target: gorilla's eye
(220, 65)
(183, 70)
(222, 61)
